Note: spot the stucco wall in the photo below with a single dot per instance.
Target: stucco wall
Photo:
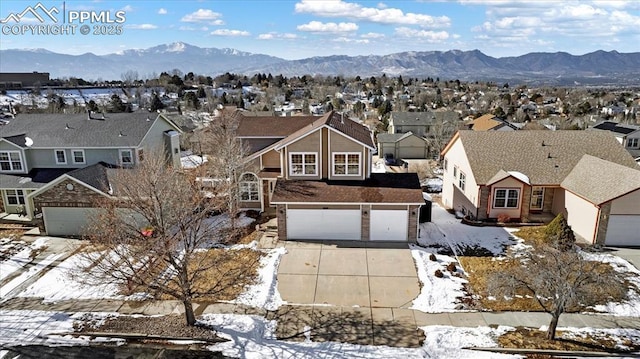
(507, 183)
(582, 216)
(456, 156)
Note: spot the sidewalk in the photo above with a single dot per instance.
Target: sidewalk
(372, 326)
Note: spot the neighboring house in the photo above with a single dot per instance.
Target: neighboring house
(531, 175)
(416, 135)
(54, 164)
(318, 177)
(627, 135)
(489, 122)
(402, 145)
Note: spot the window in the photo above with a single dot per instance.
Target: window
(506, 198)
(537, 197)
(10, 161)
(61, 157)
(632, 142)
(78, 156)
(125, 157)
(15, 196)
(249, 187)
(445, 164)
(346, 164)
(463, 180)
(303, 164)
(455, 172)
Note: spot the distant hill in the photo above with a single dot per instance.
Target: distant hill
(598, 68)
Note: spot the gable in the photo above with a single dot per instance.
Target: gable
(412, 140)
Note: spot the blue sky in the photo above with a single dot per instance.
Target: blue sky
(306, 28)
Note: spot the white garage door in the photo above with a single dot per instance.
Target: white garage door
(623, 230)
(63, 221)
(323, 224)
(411, 152)
(389, 225)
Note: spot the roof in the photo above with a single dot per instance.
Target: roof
(76, 130)
(604, 187)
(546, 157)
(97, 176)
(412, 118)
(379, 188)
(394, 137)
(36, 178)
(616, 127)
(337, 122)
(484, 123)
(502, 174)
(270, 126)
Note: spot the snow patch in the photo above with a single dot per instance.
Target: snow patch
(264, 293)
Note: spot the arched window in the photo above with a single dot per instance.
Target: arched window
(249, 189)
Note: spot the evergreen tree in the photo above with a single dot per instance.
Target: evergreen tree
(156, 103)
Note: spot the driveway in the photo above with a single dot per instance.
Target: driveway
(364, 274)
(631, 255)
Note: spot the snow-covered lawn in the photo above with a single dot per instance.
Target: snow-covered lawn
(446, 231)
(631, 307)
(437, 294)
(192, 161)
(19, 259)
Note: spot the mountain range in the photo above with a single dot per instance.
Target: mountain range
(560, 68)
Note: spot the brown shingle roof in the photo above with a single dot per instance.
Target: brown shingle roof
(379, 188)
(271, 126)
(600, 181)
(546, 157)
(336, 121)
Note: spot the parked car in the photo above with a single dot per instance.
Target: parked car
(389, 160)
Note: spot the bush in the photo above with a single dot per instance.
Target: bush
(451, 267)
(439, 273)
(559, 234)
(432, 257)
(503, 218)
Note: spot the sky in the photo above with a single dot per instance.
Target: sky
(307, 28)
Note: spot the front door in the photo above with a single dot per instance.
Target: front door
(537, 198)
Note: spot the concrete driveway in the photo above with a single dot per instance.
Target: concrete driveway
(631, 255)
(344, 273)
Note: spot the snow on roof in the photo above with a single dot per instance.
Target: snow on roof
(521, 176)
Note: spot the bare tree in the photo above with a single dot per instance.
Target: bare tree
(157, 234)
(227, 160)
(559, 281)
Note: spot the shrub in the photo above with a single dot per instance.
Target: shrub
(503, 218)
(432, 257)
(559, 234)
(439, 273)
(451, 267)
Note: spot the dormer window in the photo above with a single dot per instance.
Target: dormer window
(126, 158)
(10, 161)
(61, 157)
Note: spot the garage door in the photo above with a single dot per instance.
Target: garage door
(411, 152)
(63, 221)
(323, 224)
(623, 230)
(389, 225)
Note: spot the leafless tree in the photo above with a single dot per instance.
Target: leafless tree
(157, 233)
(559, 281)
(227, 159)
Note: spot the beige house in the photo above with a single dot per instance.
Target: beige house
(534, 175)
(319, 180)
(402, 145)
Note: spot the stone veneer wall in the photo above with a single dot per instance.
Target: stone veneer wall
(603, 224)
(414, 215)
(484, 203)
(525, 203)
(365, 223)
(281, 213)
(60, 196)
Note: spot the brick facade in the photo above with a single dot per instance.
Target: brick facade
(365, 222)
(281, 211)
(61, 196)
(414, 215)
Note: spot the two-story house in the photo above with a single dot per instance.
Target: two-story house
(416, 135)
(534, 175)
(318, 177)
(53, 164)
(627, 135)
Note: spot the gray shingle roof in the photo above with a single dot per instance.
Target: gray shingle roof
(412, 118)
(36, 178)
(389, 137)
(600, 181)
(96, 176)
(76, 130)
(546, 157)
